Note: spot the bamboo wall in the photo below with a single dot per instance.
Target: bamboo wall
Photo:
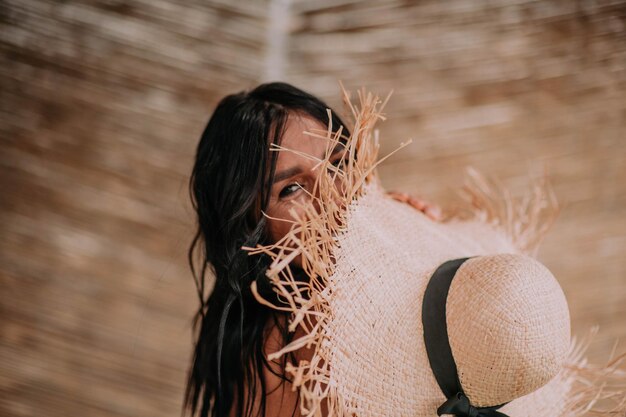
(102, 104)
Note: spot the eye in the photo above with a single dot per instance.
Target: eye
(339, 162)
(290, 189)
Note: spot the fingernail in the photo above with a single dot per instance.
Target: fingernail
(434, 212)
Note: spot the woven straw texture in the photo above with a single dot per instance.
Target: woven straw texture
(508, 324)
(378, 361)
(369, 258)
(103, 102)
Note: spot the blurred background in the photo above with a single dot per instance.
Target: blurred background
(102, 104)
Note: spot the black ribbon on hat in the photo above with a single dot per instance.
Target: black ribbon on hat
(459, 405)
(438, 345)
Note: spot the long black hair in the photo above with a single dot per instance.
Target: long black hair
(228, 190)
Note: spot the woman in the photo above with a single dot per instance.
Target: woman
(235, 179)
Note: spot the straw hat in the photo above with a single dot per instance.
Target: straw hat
(412, 317)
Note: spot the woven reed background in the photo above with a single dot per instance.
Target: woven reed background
(102, 104)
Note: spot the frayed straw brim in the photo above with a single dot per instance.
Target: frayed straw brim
(356, 370)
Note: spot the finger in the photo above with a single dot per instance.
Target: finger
(434, 212)
(418, 203)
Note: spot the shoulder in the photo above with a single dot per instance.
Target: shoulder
(281, 396)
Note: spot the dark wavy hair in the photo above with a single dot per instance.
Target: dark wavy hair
(229, 186)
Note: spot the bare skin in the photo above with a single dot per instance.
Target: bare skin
(299, 185)
(295, 174)
(294, 181)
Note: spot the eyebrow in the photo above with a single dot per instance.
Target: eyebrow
(290, 172)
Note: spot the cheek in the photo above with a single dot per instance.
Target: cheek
(280, 209)
(278, 228)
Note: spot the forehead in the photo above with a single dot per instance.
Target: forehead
(294, 138)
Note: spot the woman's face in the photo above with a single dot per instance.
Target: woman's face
(294, 173)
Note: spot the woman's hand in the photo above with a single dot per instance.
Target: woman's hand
(430, 209)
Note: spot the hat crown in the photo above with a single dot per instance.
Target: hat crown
(508, 327)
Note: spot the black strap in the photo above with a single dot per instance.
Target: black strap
(459, 405)
(438, 345)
